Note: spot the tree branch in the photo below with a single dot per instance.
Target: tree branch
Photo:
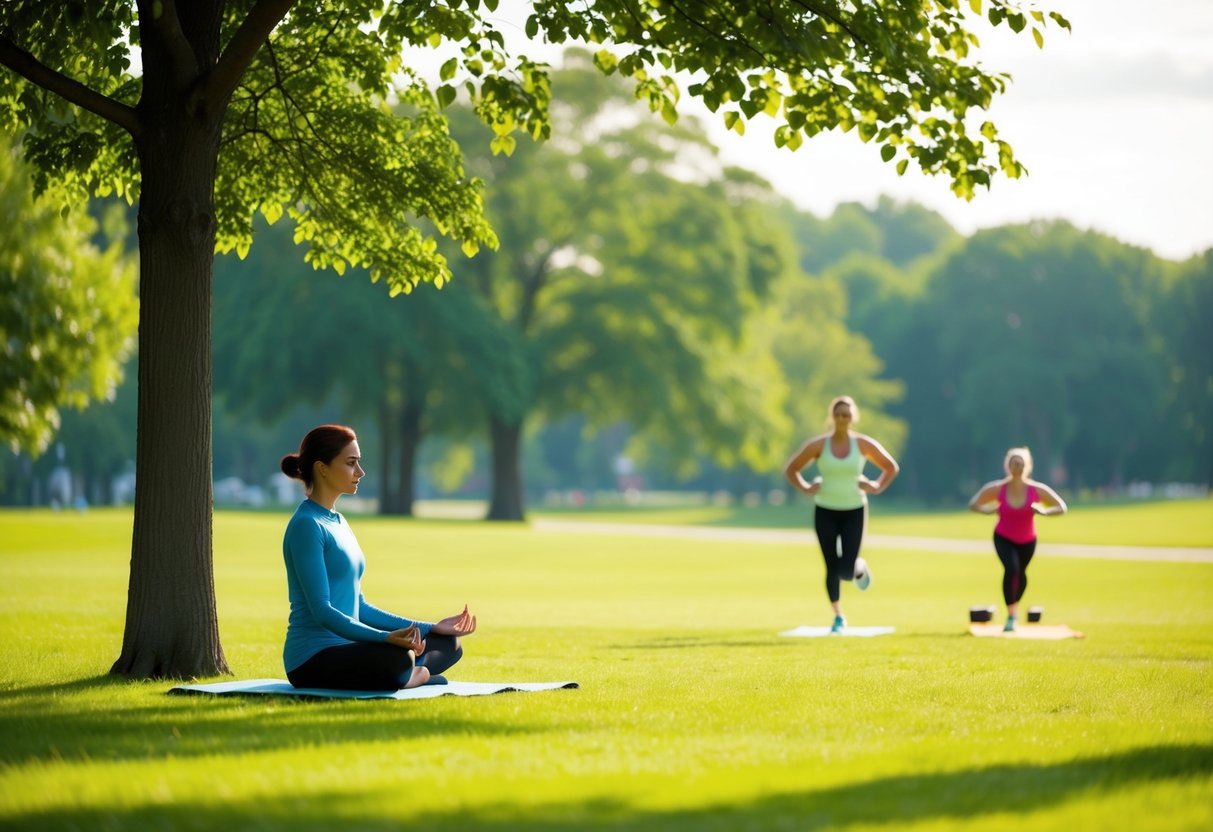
(239, 53)
(36, 72)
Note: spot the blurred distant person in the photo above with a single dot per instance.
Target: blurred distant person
(1017, 500)
(840, 492)
(334, 638)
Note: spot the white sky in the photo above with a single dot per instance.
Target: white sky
(1114, 123)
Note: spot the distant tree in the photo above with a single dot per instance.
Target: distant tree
(277, 106)
(1032, 337)
(823, 242)
(878, 294)
(822, 358)
(899, 233)
(68, 311)
(1181, 323)
(410, 366)
(910, 232)
(629, 289)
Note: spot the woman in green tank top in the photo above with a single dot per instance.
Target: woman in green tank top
(840, 493)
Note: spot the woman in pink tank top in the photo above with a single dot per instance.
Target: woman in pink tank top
(1017, 500)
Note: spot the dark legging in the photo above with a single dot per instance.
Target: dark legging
(840, 533)
(365, 665)
(1015, 558)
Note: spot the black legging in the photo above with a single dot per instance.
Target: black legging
(365, 665)
(1015, 558)
(840, 534)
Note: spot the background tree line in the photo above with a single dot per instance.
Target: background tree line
(647, 302)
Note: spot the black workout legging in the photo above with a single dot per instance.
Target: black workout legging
(840, 534)
(365, 665)
(1015, 558)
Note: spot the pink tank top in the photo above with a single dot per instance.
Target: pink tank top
(1016, 524)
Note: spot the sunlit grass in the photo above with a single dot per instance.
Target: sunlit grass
(692, 713)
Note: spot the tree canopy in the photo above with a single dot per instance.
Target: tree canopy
(68, 311)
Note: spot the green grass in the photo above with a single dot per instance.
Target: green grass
(1170, 523)
(692, 714)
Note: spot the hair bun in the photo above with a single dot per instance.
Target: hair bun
(290, 466)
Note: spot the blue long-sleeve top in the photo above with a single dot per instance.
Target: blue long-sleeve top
(324, 567)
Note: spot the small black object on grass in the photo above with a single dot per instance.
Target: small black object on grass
(981, 615)
(1034, 614)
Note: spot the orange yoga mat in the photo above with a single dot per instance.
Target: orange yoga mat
(1049, 632)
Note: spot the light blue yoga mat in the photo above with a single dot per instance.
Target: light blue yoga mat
(280, 687)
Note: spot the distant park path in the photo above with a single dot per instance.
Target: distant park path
(934, 544)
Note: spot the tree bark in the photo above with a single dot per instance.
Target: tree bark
(506, 502)
(172, 627)
(387, 493)
(410, 441)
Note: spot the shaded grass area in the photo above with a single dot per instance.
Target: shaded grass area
(1159, 523)
(693, 714)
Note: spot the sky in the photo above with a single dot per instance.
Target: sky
(1113, 120)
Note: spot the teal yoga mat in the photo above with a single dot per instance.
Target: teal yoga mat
(280, 687)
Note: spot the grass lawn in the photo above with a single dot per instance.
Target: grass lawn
(692, 713)
(1170, 523)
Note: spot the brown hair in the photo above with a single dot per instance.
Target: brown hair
(849, 402)
(322, 444)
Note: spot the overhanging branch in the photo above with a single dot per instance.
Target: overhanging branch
(239, 53)
(36, 72)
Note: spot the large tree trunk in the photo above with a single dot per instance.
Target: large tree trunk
(387, 493)
(506, 499)
(410, 441)
(171, 622)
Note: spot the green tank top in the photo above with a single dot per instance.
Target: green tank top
(840, 478)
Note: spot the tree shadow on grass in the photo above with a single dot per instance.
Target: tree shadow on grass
(70, 721)
(963, 797)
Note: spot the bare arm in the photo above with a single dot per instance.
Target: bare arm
(1052, 504)
(889, 469)
(808, 452)
(985, 501)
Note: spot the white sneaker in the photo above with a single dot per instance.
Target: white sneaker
(863, 575)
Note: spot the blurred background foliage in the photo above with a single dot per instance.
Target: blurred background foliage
(652, 320)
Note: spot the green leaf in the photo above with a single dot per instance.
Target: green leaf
(888, 152)
(1040, 38)
(606, 61)
(669, 113)
(503, 144)
(445, 94)
(272, 211)
(901, 167)
(448, 69)
(774, 102)
(1060, 21)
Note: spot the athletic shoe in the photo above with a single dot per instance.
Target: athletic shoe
(1009, 627)
(839, 623)
(436, 679)
(863, 575)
